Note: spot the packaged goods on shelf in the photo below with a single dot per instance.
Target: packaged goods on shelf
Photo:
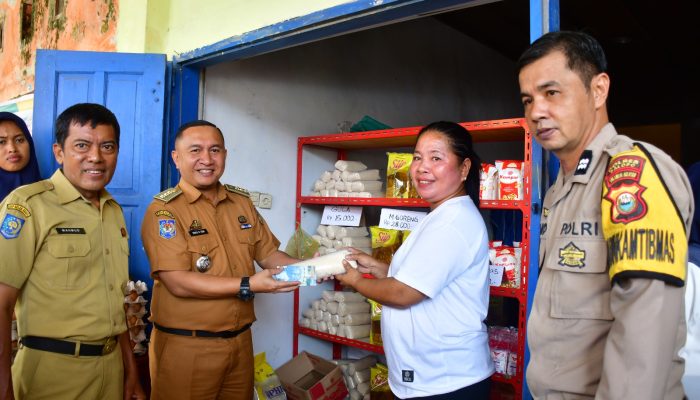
(375, 332)
(357, 375)
(350, 166)
(398, 179)
(509, 258)
(385, 242)
(503, 342)
(510, 179)
(347, 183)
(366, 175)
(341, 313)
(379, 383)
(488, 182)
(326, 176)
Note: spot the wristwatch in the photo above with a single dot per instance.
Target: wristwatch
(244, 293)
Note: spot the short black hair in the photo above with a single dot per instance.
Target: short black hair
(192, 124)
(583, 53)
(81, 114)
(460, 141)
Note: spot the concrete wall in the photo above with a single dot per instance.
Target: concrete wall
(405, 74)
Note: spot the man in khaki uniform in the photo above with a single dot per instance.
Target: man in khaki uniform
(64, 263)
(607, 319)
(201, 238)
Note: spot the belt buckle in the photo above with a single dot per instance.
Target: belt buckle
(109, 346)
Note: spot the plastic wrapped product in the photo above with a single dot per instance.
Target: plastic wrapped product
(348, 297)
(336, 320)
(329, 264)
(341, 331)
(332, 232)
(322, 326)
(398, 181)
(318, 316)
(354, 241)
(366, 175)
(350, 231)
(385, 242)
(327, 243)
(317, 238)
(357, 319)
(488, 182)
(350, 166)
(379, 382)
(364, 186)
(332, 307)
(349, 382)
(361, 375)
(361, 364)
(305, 322)
(335, 175)
(355, 394)
(332, 329)
(510, 179)
(309, 312)
(356, 332)
(341, 187)
(316, 194)
(314, 325)
(332, 193)
(324, 193)
(324, 304)
(338, 244)
(326, 176)
(319, 185)
(316, 304)
(327, 317)
(329, 185)
(322, 230)
(375, 333)
(352, 308)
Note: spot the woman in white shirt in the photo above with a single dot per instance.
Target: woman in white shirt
(435, 293)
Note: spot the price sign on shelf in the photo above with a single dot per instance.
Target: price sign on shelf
(495, 275)
(403, 220)
(341, 215)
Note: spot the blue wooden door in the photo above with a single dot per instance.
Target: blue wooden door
(132, 86)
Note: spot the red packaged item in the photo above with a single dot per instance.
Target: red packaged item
(510, 179)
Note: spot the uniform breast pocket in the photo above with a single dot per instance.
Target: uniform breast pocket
(204, 250)
(71, 262)
(580, 285)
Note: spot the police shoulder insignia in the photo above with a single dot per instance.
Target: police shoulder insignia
(237, 190)
(642, 226)
(572, 256)
(168, 194)
(11, 226)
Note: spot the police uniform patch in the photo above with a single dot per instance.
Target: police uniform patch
(584, 162)
(166, 228)
(642, 226)
(572, 256)
(18, 207)
(164, 213)
(624, 190)
(11, 226)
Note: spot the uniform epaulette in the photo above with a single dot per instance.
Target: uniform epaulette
(33, 189)
(237, 190)
(168, 194)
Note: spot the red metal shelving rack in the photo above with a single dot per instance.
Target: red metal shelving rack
(506, 130)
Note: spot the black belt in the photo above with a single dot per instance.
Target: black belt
(197, 333)
(72, 348)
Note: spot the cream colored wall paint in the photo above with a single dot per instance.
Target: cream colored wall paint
(180, 26)
(131, 26)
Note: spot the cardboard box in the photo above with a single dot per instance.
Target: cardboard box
(310, 377)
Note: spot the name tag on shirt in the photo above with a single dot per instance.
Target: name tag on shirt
(70, 231)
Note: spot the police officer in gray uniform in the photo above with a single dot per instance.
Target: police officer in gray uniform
(607, 319)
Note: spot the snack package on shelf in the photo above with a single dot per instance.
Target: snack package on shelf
(267, 384)
(510, 179)
(385, 242)
(398, 179)
(503, 342)
(375, 333)
(379, 383)
(488, 182)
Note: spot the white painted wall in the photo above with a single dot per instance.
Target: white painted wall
(405, 74)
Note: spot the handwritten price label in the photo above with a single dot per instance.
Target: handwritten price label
(495, 275)
(402, 220)
(341, 215)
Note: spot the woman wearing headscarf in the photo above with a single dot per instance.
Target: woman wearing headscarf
(18, 164)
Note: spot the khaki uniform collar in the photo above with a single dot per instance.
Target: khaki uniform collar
(66, 192)
(192, 194)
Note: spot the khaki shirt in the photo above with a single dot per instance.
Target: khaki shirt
(181, 226)
(68, 259)
(588, 337)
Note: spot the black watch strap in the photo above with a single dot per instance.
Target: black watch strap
(244, 293)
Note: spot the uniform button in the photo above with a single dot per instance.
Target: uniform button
(107, 251)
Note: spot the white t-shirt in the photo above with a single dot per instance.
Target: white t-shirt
(440, 344)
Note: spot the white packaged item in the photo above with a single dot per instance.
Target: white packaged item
(350, 166)
(512, 363)
(357, 319)
(363, 388)
(329, 264)
(325, 193)
(341, 187)
(317, 238)
(332, 329)
(350, 231)
(327, 243)
(305, 322)
(335, 175)
(332, 193)
(316, 304)
(331, 231)
(326, 176)
(510, 179)
(319, 185)
(346, 194)
(355, 394)
(327, 317)
(348, 297)
(338, 244)
(335, 320)
(349, 382)
(500, 360)
(356, 331)
(332, 307)
(364, 186)
(366, 175)
(322, 251)
(322, 230)
(361, 364)
(341, 331)
(327, 295)
(309, 312)
(323, 326)
(316, 194)
(329, 185)
(324, 302)
(361, 375)
(354, 241)
(314, 325)
(318, 315)
(352, 308)
(488, 182)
